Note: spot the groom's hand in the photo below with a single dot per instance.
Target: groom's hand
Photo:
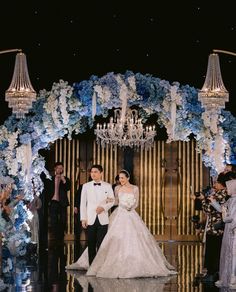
(110, 200)
(99, 210)
(84, 224)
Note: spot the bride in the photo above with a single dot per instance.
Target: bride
(128, 250)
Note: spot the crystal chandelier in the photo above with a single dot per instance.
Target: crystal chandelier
(125, 132)
(20, 94)
(213, 94)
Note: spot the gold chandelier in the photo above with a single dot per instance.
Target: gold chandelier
(20, 93)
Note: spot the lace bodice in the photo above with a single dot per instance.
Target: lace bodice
(127, 200)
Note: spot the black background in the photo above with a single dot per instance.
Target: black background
(73, 40)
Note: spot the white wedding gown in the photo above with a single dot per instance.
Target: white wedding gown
(128, 250)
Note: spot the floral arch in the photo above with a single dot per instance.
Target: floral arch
(67, 109)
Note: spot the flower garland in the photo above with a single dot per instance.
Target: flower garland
(67, 109)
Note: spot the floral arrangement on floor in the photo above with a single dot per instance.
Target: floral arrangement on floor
(67, 109)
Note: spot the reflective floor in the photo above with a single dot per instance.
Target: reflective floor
(47, 272)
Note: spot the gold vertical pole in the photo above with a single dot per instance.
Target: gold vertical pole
(73, 179)
(107, 163)
(141, 198)
(111, 162)
(184, 188)
(179, 225)
(154, 175)
(198, 176)
(179, 253)
(103, 158)
(71, 192)
(60, 151)
(66, 169)
(163, 188)
(158, 144)
(94, 152)
(187, 198)
(150, 190)
(201, 172)
(56, 150)
(192, 184)
(77, 160)
(115, 159)
(98, 150)
(145, 187)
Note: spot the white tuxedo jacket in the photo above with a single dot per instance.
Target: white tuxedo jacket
(92, 197)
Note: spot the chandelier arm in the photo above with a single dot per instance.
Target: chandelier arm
(224, 52)
(10, 51)
(127, 132)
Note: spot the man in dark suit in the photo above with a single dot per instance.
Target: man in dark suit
(57, 190)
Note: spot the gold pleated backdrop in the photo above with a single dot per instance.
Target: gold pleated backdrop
(166, 176)
(67, 151)
(108, 158)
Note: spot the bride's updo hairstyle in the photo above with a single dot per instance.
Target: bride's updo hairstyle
(125, 172)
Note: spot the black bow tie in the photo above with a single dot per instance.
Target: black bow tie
(96, 184)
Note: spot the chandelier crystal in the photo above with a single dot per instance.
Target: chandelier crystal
(213, 94)
(20, 94)
(127, 132)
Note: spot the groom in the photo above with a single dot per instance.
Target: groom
(97, 198)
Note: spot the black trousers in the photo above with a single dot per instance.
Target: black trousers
(96, 234)
(58, 219)
(77, 226)
(212, 253)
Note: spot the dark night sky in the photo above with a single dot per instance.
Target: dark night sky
(76, 39)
